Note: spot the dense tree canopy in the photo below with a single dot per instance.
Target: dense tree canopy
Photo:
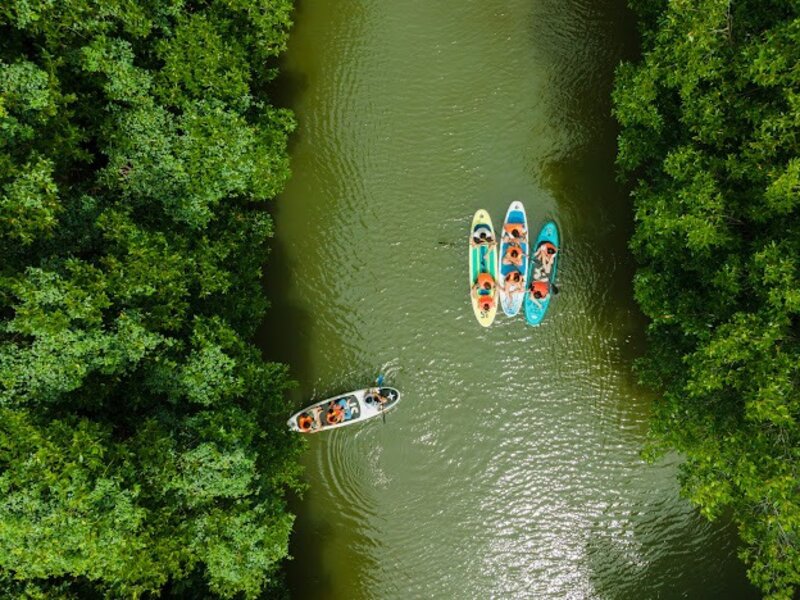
(142, 440)
(710, 136)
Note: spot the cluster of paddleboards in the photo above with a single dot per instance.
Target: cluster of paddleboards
(512, 273)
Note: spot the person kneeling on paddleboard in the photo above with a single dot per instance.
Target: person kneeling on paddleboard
(546, 254)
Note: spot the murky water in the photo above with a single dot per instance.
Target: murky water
(511, 468)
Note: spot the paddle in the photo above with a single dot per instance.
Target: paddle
(378, 384)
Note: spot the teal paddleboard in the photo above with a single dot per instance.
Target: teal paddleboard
(535, 309)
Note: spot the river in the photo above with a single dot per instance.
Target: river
(511, 468)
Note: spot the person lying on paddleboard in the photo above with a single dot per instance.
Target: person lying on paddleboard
(515, 231)
(482, 237)
(546, 254)
(514, 255)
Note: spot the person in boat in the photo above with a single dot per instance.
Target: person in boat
(539, 291)
(307, 422)
(482, 237)
(334, 414)
(546, 255)
(515, 231)
(514, 255)
(512, 282)
(342, 402)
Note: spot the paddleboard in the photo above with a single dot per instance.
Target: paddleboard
(482, 259)
(352, 407)
(512, 251)
(536, 309)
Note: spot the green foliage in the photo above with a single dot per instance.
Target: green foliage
(143, 449)
(710, 117)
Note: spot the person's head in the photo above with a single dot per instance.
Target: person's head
(514, 252)
(514, 276)
(486, 304)
(551, 250)
(537, 294)
(482, 235)
(487, 285)
(516, 232)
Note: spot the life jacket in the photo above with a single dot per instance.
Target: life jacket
(513, 253)
(334, 416)
(304, 422)
(485, 303)
(483, 279)
(512, 227)
(548, 247)
(543, 287)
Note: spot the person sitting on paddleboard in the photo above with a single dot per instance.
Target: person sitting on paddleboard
(481, 237)
(546, 254)
(482, 291)
(515, 231)
(512, 282)
(514, 255)
(539, 290)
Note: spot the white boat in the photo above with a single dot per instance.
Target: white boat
(345, 409)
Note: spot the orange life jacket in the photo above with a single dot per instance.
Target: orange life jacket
(334, 416)
(485, 302)
(304, 422)
(512, 227)
(548, 247)
(542, 287)
(483, 279)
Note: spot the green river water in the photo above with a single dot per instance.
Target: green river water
(511, 467)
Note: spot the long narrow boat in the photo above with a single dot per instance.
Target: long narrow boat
(346, 409)
(513, 259)
(535, 309)
(483, 261)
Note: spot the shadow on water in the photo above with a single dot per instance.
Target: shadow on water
(284, 333)
(674, 574)
(595, 209)
(597, 213)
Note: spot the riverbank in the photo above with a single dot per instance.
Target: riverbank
(709, 136)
